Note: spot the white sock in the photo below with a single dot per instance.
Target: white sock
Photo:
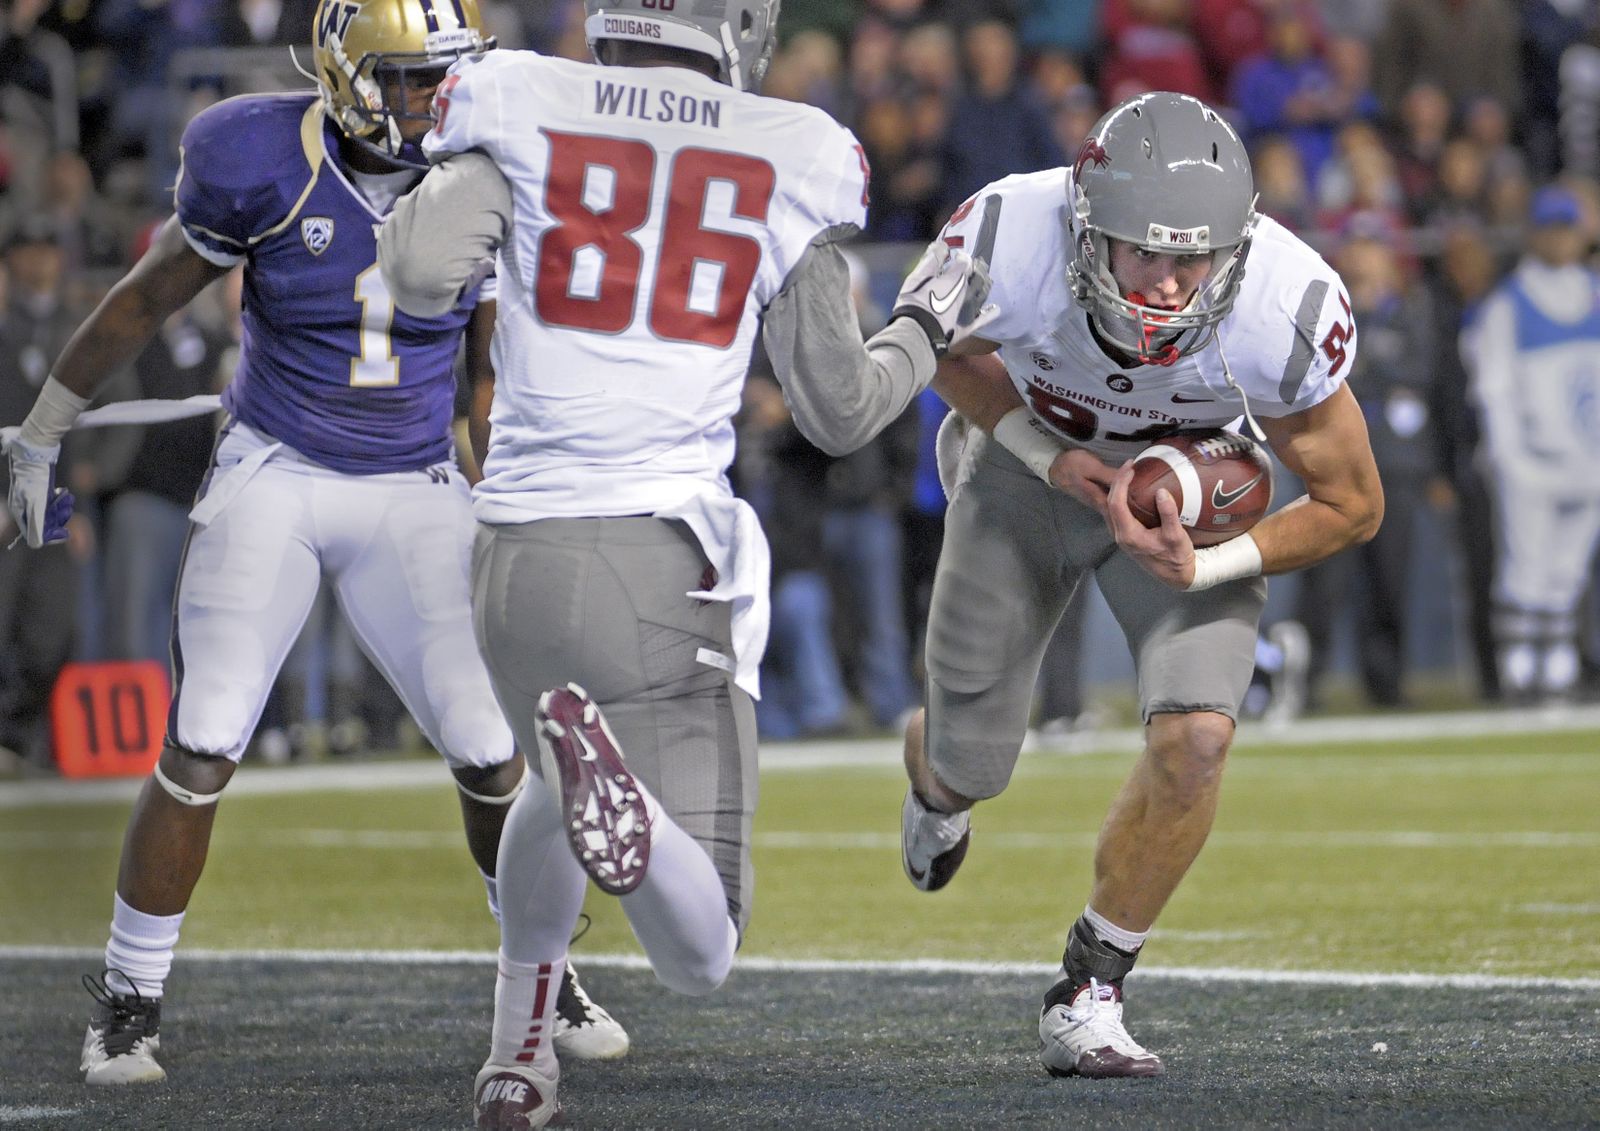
(524, 1012)
(679, 912)
(492, 886)
(1107, 931)
(540, 886)
(141, 948)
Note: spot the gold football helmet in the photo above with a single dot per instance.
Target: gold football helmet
(367, 53)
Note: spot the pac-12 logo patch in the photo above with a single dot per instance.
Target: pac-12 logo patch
(317, 232)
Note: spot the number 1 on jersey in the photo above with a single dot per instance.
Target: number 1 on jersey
(376, 365)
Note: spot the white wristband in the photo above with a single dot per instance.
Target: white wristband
(52, 415)
(1024, 437)
(1226, 561)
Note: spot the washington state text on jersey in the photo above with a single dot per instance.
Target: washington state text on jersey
(622, 101)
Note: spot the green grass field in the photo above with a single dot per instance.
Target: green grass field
(1476, 855)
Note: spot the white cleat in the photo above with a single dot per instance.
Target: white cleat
(1084, 1036)
(932, 844)
(123, 1037)
(584, 1030)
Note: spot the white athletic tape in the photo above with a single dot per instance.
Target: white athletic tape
(1025, 438)
(1226, 561)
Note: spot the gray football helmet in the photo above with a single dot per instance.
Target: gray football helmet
(1164, 172)
(738, 34)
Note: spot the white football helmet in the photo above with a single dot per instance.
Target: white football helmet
(1165, 173)
(739, 34)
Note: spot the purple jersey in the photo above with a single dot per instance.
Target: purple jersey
(329, 365)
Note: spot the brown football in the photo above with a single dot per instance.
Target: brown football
(1221, 481)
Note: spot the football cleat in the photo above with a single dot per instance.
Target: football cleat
(583, 1030)
(123, 1037)
(603, 807)
(932, 844)
(1081, 1034)
(513, 1096)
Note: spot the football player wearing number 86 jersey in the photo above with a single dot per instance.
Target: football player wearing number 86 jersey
(1140, 294)
(646, 217)
(335, 461)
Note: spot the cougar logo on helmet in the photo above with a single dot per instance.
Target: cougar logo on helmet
(738, 34)
(368, 53)
(1182, 186)
(1090, 150)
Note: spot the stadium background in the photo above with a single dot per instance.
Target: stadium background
(1420, 882)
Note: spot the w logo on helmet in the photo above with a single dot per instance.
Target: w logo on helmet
(317, 233)
(333, 20)
(1090, 150)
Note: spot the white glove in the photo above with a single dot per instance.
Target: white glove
(945, 295)
(38, 506)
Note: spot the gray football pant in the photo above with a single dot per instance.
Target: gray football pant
(1015, 548)
(603, 602)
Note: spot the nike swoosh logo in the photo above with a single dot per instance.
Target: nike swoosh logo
(941, 303)
(1222, 500)
(1177, 399)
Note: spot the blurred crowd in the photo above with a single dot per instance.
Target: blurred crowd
(1419, 144)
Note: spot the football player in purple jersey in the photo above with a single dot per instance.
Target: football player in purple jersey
(335, 462)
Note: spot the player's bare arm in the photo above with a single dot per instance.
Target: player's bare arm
(169, 275)
(480, 380)
(973, 382)
(1326, 445)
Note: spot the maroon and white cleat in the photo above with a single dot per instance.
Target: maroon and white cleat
(602, 806)
(1084, 1036)
(513, 1096)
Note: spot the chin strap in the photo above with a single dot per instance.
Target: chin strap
(1227, 373)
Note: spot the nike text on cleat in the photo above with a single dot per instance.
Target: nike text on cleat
(513, 1096)
(603, 808)
(1081, 1034)
(932, 844)
(583, 1030)
(123, 1036)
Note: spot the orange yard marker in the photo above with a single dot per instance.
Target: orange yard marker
(108, 718)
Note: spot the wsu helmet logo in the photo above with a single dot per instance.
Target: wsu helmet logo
(317, 233)
(1092, 151)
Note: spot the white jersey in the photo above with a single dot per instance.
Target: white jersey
(656, 213)
(1533, 351)
(1287, 342)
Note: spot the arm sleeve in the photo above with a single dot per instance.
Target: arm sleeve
(840, 391)
(441, 238)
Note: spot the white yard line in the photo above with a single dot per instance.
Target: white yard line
(486, 958)
(28, 1113)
